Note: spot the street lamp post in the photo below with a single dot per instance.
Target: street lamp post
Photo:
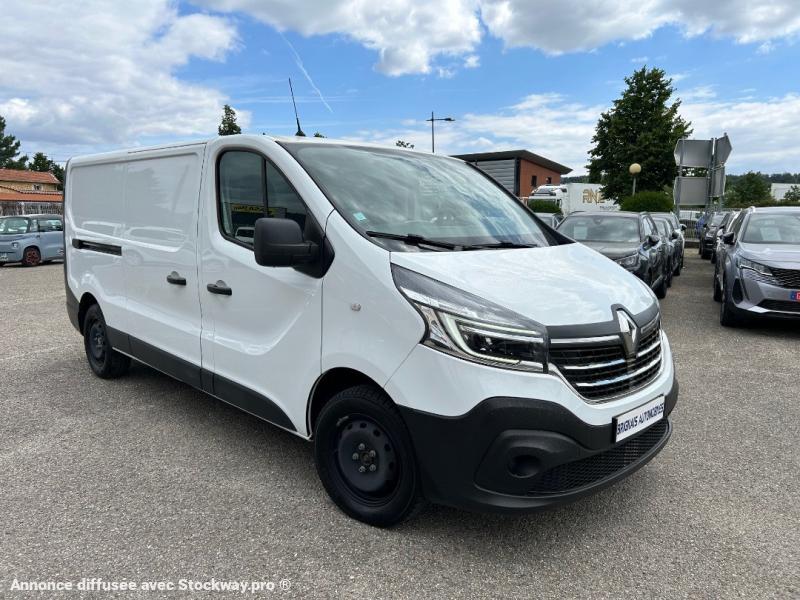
(433, 135)
(634, 170)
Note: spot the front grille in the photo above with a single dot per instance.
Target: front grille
(602, 371)
(781, 305)
(594, 469)
(788, 278)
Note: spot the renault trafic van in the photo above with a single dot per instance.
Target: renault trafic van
(431, 336)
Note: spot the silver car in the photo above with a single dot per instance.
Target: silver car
(31, 239)
(759, 270)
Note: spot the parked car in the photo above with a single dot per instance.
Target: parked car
(677, 231)
(720, 250)
(31, 239)
(759, 271)
(552, 219)
(670, 244)
(461, 352)
(630, 239)
(723, 227)
(708, 234)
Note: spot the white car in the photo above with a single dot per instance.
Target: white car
(399, 309)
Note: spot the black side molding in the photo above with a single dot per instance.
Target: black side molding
(202, 379)
(97, 247)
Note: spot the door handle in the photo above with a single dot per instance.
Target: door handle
(176, 279)
(219, 288)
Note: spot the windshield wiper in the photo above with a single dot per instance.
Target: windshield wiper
(414, 240)
(504, 244)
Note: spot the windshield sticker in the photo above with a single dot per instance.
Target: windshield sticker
(360, 216)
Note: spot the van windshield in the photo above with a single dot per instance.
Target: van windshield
(12, 225)
(384, 192)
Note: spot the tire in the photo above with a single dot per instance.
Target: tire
(717, 291)
(358, 429)
(661, 290)
(104, 361)
(727, 312)
(670, 272)
(679, 268)
(31, 257)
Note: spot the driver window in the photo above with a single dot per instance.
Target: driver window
(250, 188)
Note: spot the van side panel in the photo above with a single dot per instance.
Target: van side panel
(160, 241)
(94, 215)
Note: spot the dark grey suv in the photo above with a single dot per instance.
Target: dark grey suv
(758, 273)
(630, 239)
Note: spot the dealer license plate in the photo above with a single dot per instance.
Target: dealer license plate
(638, 419)
(792, 295)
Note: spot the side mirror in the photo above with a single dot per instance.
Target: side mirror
(683, 227)
(675, 235)
(729, 237)
(653, 239)
(280, 243)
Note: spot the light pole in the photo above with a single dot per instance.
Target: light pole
(433, 136)
(634, 170)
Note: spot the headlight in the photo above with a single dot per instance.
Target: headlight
(629, 262)
(743, 263)
(15, 245)
(471, 328)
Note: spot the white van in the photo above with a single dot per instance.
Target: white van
(430, 335)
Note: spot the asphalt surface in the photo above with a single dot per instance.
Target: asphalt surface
(146, 479)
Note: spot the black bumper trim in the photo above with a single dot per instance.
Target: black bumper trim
(461, 467)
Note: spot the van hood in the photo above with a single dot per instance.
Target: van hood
(614, 249)
(783, 256)
(558, 285)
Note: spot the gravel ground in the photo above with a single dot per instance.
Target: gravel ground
(146, 479)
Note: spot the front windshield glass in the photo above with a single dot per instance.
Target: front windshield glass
(601, 228)
(717, 219)
(11, 225)
(772, 229)
(663, 226)
(404, 193)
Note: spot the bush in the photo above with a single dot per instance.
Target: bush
(544, 206)
(648, 201)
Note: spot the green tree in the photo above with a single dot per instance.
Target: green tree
(229, 126)
(318, 134)
(9, 150)
(43, 164)
(648, 201)
(642, 127)
(793, 194)
(749, 189)
(402, 144)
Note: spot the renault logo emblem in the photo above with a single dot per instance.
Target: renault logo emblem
(628, 332)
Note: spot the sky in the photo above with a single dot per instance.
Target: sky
(96, 75)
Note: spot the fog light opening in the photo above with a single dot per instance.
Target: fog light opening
(523, 465)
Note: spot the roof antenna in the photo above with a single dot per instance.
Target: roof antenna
(296, 118)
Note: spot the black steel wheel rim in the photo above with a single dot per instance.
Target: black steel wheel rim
(366, 460)
(97, 341)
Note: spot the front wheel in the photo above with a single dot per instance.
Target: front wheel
(661, 290)
(365, 458)
(31, 257)
(727, 312)
(104, 361)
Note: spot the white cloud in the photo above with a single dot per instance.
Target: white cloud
(407, 34)
(639, 59)
(473, 61)
(558, 26)
(93, 73)
(765, 134)
(701, 92)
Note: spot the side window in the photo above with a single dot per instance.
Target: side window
(282, 201)
(648, 229)
(34, 226)
(250, 188)
(737, 224)
(50, 225)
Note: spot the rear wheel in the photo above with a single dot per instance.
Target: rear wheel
(717, 290)
(104, 361)
(31, 257)
(365, 458)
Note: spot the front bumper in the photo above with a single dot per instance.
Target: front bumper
(757, 297)
(521, 454)
(10, 255)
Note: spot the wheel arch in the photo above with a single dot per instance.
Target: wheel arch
(330, 383)
(87, 300)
